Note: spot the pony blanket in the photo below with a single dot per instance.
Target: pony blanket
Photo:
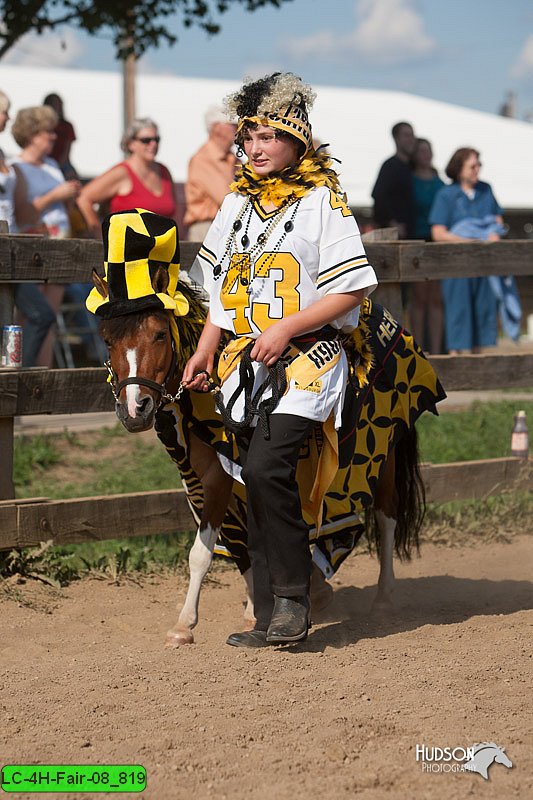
(399, 386)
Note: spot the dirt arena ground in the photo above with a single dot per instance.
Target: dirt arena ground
(84, 679)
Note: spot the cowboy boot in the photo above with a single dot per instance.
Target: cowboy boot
(290, 620)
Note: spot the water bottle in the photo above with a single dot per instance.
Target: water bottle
(519, 436)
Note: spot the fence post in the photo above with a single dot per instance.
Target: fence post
(7, 426)
(387, 294)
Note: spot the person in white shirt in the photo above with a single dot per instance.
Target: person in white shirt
(285, 270)
(16, 210)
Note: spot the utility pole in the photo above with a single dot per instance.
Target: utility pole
(128, 89)
(128, 71)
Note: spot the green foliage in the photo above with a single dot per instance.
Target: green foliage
(114, 559)
(108, 462)
(496, 518)
(113, 461)
(44, 563)
(482, 431)
(135, 25)
(32, 457)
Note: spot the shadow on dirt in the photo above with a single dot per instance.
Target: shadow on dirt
(438, 600)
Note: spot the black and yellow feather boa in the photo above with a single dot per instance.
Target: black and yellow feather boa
(290, 183)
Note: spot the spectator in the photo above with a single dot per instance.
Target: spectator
(211, 170)
(394, 204)
(469, 303)
(427, 316)
(48, 192)
(137, 182)
(65, 136)
(15, 209)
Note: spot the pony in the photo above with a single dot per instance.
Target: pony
(147, 353)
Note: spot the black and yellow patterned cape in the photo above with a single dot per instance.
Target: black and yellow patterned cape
(399, 386)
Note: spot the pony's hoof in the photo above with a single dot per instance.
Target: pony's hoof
(177, 638)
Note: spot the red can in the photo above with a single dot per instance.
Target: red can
(11, 346)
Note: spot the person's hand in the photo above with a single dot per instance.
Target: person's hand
(270, 344)
(67, 190)
(493, 237)
(197, 371)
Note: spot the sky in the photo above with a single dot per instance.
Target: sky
(466, 52)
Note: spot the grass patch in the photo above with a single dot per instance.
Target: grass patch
(482, 431)
(495, 519)
(114, 461)
(32, 457)
(106, 462)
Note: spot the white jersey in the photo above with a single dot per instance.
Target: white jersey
(320, 253)
(8, 181)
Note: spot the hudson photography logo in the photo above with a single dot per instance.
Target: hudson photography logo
(477, 758)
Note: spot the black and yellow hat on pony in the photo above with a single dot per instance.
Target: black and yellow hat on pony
(137, 246)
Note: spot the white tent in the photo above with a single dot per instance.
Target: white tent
(355, 122)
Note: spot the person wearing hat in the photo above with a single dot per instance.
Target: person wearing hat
(285, 271)
(210, 173)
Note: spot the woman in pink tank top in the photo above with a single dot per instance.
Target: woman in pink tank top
(137, 182)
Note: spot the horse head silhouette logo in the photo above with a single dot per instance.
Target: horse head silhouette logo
(486, 754)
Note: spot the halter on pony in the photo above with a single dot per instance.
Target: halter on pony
(160, 388)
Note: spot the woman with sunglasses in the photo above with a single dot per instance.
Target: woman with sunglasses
(137, 182)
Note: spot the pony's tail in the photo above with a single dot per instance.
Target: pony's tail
(411, 496)
(410, 500)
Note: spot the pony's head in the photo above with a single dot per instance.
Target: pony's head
(147, 352)
(146, 317)
(141, 363)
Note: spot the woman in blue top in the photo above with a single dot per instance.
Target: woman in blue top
(427, 319)
(469, 303)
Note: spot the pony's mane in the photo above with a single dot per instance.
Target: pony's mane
(192, 324)
(114, 329)
(189, 327)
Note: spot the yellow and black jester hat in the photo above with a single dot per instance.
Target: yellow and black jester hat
(137, 244)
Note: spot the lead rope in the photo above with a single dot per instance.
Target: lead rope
(253, 406)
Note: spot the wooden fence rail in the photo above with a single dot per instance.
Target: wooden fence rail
(38, 391)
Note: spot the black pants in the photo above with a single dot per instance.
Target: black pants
(278, 536)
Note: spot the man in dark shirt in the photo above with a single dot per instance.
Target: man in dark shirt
(393, 192)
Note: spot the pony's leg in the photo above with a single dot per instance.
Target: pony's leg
(216, 485)
(249, 616)
(386, 503)
(200, 558)
(321, 592)
(387, 527)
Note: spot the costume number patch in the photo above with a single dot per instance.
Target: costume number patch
(237, 298)
(337, 202)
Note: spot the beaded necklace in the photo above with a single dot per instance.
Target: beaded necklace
(246, 259)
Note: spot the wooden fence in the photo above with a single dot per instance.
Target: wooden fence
(68, 391)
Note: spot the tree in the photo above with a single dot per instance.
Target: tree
(136, 26)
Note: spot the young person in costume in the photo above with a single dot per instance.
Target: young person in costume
(285, 271)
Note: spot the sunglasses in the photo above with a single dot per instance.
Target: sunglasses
(148, 139)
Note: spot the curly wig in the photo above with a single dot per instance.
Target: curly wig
(268, 95)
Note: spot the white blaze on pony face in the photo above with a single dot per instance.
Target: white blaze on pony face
(132, 392)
